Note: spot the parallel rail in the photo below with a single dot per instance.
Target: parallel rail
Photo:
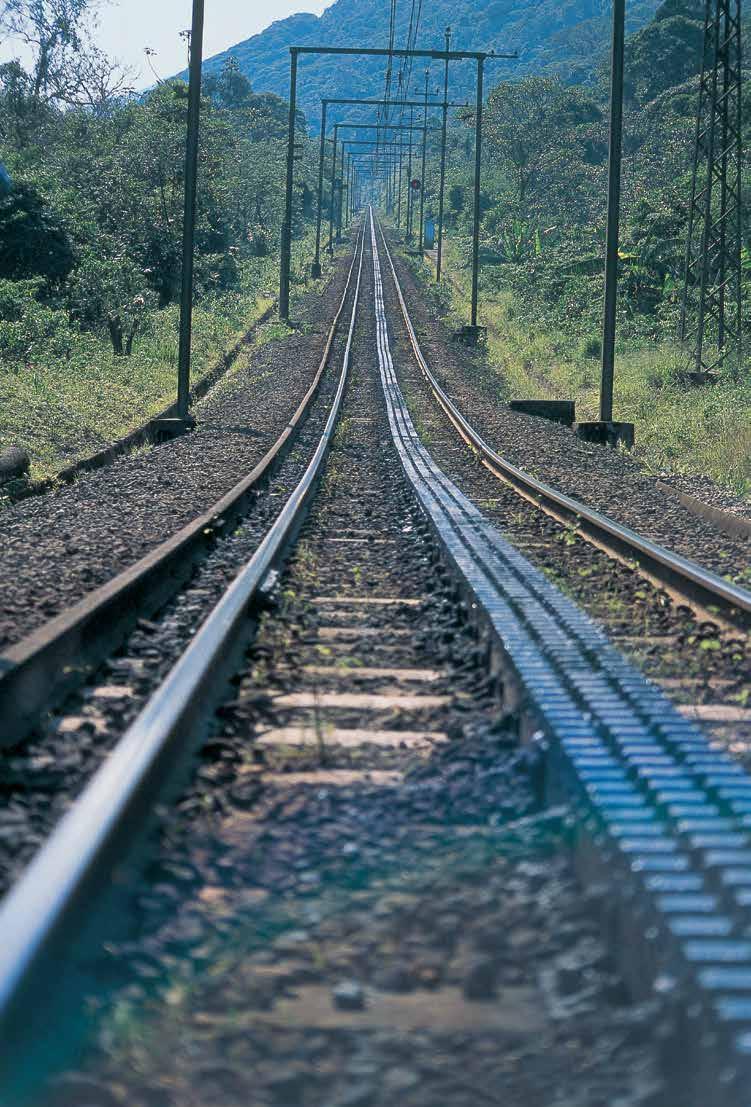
(57, 657)
(656, 809)
(41, 915)
(685, 580)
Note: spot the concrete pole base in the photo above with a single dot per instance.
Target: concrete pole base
(606, 433)
(162, 430)
(471, 335)
(557, 411)
(315, 270)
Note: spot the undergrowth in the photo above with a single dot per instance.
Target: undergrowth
(679, 429)
(65, 400)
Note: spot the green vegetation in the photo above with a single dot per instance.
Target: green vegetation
(91, 233)
(542, 245)
(682, 430)
(550, 37)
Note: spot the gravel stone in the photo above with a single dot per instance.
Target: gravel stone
(348, 996)
(453, 851)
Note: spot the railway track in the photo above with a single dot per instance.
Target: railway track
(312, 795)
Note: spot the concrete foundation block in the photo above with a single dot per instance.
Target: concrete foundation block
(162, 430)
(472, 336)
(14, 463)
(557, 411)
(606, 433)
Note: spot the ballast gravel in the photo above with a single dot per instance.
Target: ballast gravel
(57, 547)
(43, 775)
(308, 943)
(611, 481)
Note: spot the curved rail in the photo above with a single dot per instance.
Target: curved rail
(41, 913)
(685, 580)
(56, 657)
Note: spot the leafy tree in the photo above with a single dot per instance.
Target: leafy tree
(667, 51)
(230, 90)
(66, 65)
(110, 290)
(531, 127)
(34, 240)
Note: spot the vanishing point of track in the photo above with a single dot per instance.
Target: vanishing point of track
(660, 816)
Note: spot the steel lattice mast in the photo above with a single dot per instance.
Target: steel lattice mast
(710, 323)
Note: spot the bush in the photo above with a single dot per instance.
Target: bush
(591, 347)
(112, 292)
(33, 240)
(30, 331)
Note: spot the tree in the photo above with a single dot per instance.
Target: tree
(529, 124)
(110, 290)
(66, 65)
(34, 241)
(231, 90)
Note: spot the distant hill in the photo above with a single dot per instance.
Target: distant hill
(553, 36)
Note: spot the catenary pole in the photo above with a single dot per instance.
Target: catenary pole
(444, 125)
(613, 217)
(410, 204)
(476, 212)
(332, 200)
(424, 153)
(315, 269)
(399, 200)
(286, 245)
(189, 218)
(340, 200)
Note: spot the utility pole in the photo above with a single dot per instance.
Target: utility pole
(614, 211)
(399, 200)
(286, 244)
(340, 186)
(444, 125)
(333, 190)
(410, 205)
(476, 213)
(424, 152)
(315, 269)
(189, 217)
(605, 431)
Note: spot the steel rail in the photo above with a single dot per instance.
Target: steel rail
(56, 657)
(41, 914)
(685, 580)
(658, 816)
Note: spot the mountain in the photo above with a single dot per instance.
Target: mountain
(566, 37)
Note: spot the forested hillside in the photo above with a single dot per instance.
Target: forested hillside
(90, 235)
(549, 37)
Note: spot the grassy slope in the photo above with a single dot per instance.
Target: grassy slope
(62, 411)
(686, 431)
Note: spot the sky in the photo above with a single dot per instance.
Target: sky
(127, 26)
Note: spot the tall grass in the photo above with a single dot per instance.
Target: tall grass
(61, 408)
(679, 429)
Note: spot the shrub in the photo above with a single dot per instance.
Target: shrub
(30, 331)
(591, 347)
(33, 239)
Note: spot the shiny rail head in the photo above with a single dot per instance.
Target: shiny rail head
(710, 596)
